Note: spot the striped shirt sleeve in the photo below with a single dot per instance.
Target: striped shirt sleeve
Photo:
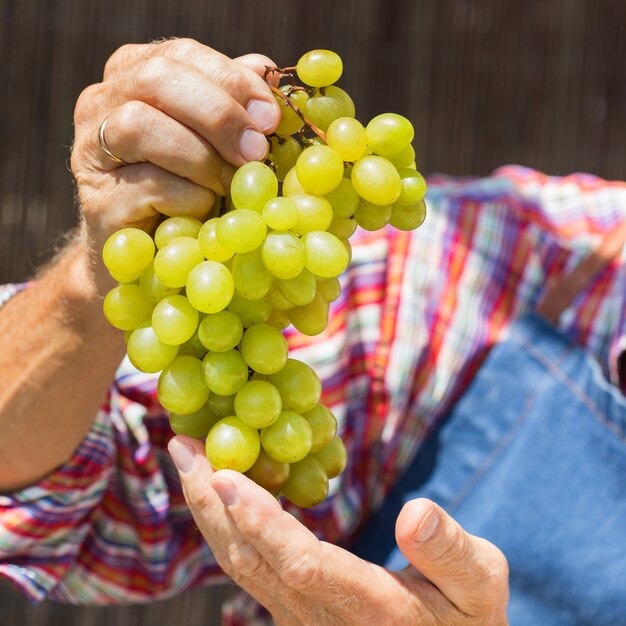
(110, 525)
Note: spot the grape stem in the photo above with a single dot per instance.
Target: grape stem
(318, 131)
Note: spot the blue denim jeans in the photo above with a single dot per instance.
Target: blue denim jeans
(533, 458)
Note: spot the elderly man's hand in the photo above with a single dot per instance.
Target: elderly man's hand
(179, 117)
(454, 577)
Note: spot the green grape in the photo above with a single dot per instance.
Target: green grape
(372, 216)
(290, 121)
(319, 169)
(307, 484)
(413, 187)
(269, 473)
(329, 289)
(311, 319)
(210, 287)
(231, 444)
(178, 226)
(181, 388)
(408, 217)
(343, 199)
(299, 290)
(298, 96)
(252, 186)
(196, 424)
(211, 248)
(251, 278)
(404, 158)
(176, 259)
(280, 213)
(276, 298)
(221, 331)
(323, 424)
(288, 439)
(147, 353)
(327, 105)
(291, 184)
(348, 138)
(125, 278)
(250, 311)
(126, 308)
(314, 213)
(279, 319)
(319, 68)
(225, 373)
(264, 348)
(298, 385)
(153, 288)
(283, 254)
(342, 228)
(128, 251)
(284, 152)
(222, 405)
(174, 320)
(242, 230)
(258, 404)
(388, 134)
(324, 254)
(193, 346)
(376, 180)
(348, 247)
(332, 457)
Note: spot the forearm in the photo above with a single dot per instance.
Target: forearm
(58, 359)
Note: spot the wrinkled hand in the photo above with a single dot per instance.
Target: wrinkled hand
(180, 116)
(454, 577)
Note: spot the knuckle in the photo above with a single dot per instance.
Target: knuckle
(302, 574)
(247, 563)
(199, 498)
(455, 550)
(119, 59)
(83, 111)
(130, 120)
(152, 72)
(184, 47)
(232, 80)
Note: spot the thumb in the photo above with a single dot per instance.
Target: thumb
(470, 571)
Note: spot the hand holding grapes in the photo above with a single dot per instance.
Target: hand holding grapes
(454, 577)
(180, 117)
(205, 303)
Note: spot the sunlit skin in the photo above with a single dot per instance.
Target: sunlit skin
(184, 158)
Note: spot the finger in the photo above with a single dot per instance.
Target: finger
(143, 191)
(184, 93)
(235, 555)
(240, 80)
(470, 571)
(259, 64)
(331, 579)
(137, 132)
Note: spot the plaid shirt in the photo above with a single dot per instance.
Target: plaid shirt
(417, 313)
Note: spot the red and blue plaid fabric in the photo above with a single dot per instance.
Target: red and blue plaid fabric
(417, 314)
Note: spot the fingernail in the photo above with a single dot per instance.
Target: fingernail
(226, 491)
(182, 455)
(253, 145)
(429, 524)
(262, 113)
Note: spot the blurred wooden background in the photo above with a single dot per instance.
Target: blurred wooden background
(486, 82)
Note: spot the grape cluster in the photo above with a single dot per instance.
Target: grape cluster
(205, 304)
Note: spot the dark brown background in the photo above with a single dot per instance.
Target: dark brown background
(486, 82)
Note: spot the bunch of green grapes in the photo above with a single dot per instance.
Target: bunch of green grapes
(205, 304)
